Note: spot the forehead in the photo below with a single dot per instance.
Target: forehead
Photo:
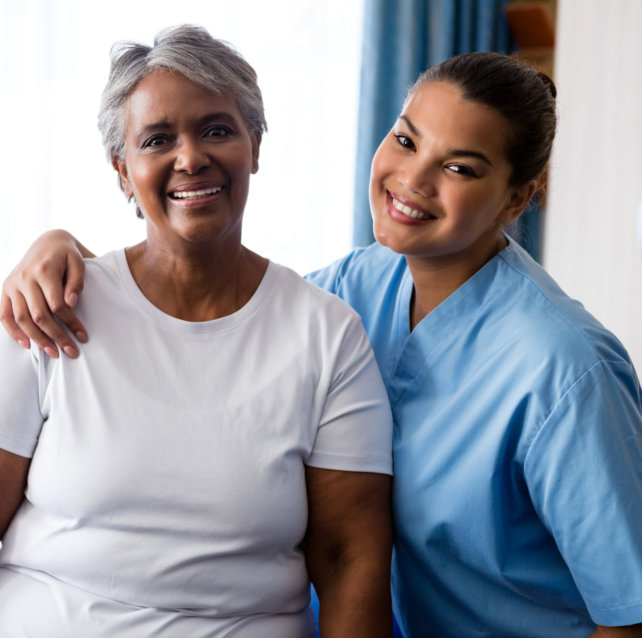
(165, 96)
(439, 111)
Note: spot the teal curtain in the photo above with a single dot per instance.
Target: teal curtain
(401, 39)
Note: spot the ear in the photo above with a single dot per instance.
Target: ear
(256, 144)
(121, 167)
(517, 200)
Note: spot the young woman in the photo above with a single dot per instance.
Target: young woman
(518, 417)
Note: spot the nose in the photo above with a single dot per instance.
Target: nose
(191, 156)
(418, 177)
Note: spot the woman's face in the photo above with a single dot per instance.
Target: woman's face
(188, 160)
(439, 185)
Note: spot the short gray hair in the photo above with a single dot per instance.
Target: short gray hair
(190, 51)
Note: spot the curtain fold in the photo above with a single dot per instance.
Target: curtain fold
(401, 39)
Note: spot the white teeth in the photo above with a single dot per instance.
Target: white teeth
(408, 211)
(197, 193)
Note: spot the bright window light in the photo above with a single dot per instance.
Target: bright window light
(55, 61)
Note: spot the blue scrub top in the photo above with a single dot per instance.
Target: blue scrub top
(517, 452)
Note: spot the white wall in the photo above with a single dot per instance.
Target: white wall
(54, 60)
(591, 243)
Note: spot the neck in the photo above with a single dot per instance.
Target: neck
(196, 287)
(436, 278)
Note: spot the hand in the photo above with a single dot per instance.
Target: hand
(46, 282)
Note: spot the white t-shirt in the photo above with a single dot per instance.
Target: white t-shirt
(166, 494)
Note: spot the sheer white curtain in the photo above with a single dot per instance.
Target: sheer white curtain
(54, 63)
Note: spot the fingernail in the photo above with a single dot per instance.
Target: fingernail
(81, 336)
(72, 299)
(23, 343)
(70, 351)
(51, 352)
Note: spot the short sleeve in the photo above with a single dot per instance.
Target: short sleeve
(584, 473)
(20, 416)
(355, 430)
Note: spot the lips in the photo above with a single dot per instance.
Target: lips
(400, 210)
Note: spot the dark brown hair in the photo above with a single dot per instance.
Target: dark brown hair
(523, 95)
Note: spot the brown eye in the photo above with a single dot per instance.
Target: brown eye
(404, 141)
(218, 131)
(464, 170)
(155, 141)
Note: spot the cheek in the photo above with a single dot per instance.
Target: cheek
(378, 172)
(474, 200)
(144, 179)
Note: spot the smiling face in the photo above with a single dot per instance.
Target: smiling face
(439, 187)
(188, 161)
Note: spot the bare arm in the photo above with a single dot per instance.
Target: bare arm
(632, 631)
(348, 551)
(46, 282)
(13, 479)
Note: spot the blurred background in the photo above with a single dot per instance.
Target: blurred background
(333, 75)
(54, 57)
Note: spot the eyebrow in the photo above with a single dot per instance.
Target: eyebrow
(472, 153)
(452, 152)
(408, 122)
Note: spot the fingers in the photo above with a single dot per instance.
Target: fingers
(38, 314)
(74, 280)
(21, 318)
(27, 315)
(8, 321)
(67, 316)
(60, 302)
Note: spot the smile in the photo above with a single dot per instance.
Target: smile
(408, 211)
(196, 193)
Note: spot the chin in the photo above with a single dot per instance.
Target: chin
(389, 238)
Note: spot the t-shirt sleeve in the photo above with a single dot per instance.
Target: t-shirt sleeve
(20, 416)
(584, 473)
(355, 430)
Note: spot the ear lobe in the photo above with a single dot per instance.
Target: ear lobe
(121, 167)
(518, 200)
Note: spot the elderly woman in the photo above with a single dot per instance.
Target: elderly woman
(225, 437)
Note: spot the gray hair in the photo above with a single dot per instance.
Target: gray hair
(190, 51)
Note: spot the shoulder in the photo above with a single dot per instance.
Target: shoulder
(306, 297)
(359, 268)
(104, 271)
(324, 325)
(552, 320)
(105, 266)
(109, 294)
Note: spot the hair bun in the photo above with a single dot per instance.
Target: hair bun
(549, 84)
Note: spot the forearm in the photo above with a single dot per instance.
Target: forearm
(57, 239)
(86, 254)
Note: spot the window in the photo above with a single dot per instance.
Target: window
(54, 172)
